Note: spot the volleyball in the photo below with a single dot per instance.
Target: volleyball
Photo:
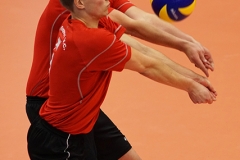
(173, 10)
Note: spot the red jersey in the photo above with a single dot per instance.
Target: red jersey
(45, 39)
(121, 5)
(46, 36)
(80, 73)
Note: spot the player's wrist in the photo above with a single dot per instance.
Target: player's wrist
(197, 78)
(184, 45)
(187, 84)
(192, 85)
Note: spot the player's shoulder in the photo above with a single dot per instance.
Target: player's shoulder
(93, 36)
(106, 29)
(101, 35)
(111, 26)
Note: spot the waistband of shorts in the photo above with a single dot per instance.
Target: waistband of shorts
(53, 129)
(36, 99)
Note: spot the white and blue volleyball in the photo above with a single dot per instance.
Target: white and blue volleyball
(173, 10)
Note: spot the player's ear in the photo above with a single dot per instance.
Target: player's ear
(79, 4)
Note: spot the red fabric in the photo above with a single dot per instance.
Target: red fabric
(121, 5)
(46, 34)
(45, 39)
(80, 72)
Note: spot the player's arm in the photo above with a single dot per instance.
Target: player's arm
(197, 53)
(162, 73)
(161, 57)
(143, 30)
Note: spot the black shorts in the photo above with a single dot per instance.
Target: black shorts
(33, 106)
(105, 140)
(48, 143)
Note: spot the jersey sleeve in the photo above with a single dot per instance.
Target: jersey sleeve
(106, 52)
(111, 26)
(121, 5)
(110, 9)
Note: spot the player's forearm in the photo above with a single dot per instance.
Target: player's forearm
(159, 57)
(162, 73)
(178, 68)
(159, 67)
(152, 34)
(167, 27)
(139, 26)
(175, 66)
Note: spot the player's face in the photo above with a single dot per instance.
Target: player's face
(97, 8)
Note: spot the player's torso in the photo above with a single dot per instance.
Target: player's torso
(45, 38)
(80, 73)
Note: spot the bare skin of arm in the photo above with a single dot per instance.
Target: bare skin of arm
(163, 33)
(139, 14)
(160, 69)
